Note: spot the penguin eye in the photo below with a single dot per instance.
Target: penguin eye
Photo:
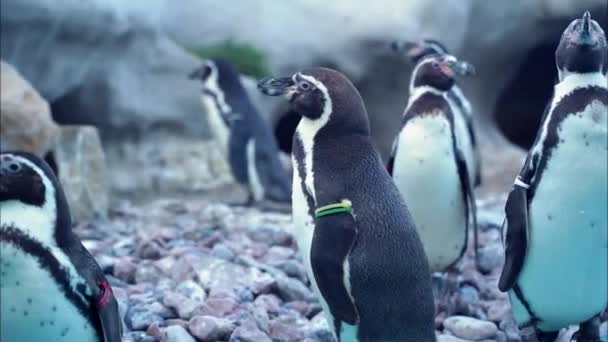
(304, 85)
(14, 167)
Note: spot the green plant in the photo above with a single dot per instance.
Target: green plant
(248, 59)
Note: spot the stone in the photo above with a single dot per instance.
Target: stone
(290, 289)
(221, 251)
(450, 338)
(125, 269)
(291, 268)
(491, 257)
(83, 173)
(498, 310)
(176, 333)
(184, 306)
(138, 319)
(470, 328)
(209, 328)
(25, 117)
(248, 334)
(219, 307)
(192, 290)
(269, 302)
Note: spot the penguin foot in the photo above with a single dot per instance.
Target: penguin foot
(589, 331)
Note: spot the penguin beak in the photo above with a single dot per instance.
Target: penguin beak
(461, 68)
(277, 86)
(200, 73)
(586, 23)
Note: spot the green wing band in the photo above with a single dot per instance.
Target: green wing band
(345, 206)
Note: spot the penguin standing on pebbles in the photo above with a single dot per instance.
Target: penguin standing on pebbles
(242, 133)
(359, 243)
(460, 105)
(429, 168)
(51, 288)
(556, 227)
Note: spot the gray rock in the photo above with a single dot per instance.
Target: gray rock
(470, 328)
(83, 172)
(138, 319)
(137, 336)
(191, 290)
(269, 302)
(450, 338)
(291, 268)
(290, 289)
(25, 117)
(176, 333)
(125, 269)
(221, 251)
(209, 328)
(248, 334)
(509, 327)
(498, 310)
(184, 306)
(491, 257)
(219, 307)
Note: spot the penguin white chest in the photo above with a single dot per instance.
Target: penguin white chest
(426, 174)
(218, 126)
(568, 246)
(33, 306)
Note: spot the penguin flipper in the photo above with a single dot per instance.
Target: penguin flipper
(470, 206)
(332, 241)
(102, 297)
(516, 237)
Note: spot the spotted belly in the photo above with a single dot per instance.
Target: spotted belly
(426, 175)
(565, 275)
(32, 305)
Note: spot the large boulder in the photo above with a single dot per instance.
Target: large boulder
(104, 63)
(25, 118)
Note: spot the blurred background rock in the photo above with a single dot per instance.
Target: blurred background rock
(122, 66)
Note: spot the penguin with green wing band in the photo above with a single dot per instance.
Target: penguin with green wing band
(358, 241)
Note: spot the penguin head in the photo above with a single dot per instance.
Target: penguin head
(323, 97)
(22, 180)
(582, 48)
(416, 50)
(439, 71)
(218, 73)
(28, 180)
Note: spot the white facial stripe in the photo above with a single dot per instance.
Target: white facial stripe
(308, 129)
(570, 83)
(39, 222)
(212, 85)
(417, 92)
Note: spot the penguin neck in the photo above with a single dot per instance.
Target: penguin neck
(38, 222)
(570, 81)
(417, 91)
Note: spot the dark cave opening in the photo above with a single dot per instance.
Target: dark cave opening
(521, 104)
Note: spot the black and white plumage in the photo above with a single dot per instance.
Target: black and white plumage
(368, 267)
(428, 166)
(556, 227)
(51, 288)
(243, 135)
(461, 106)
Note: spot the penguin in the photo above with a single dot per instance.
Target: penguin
(556, 227)
(430, 169)
(243, 135)
(51, 288)
(358, 241)
(461, 106)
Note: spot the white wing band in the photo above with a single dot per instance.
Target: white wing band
(521, 184)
